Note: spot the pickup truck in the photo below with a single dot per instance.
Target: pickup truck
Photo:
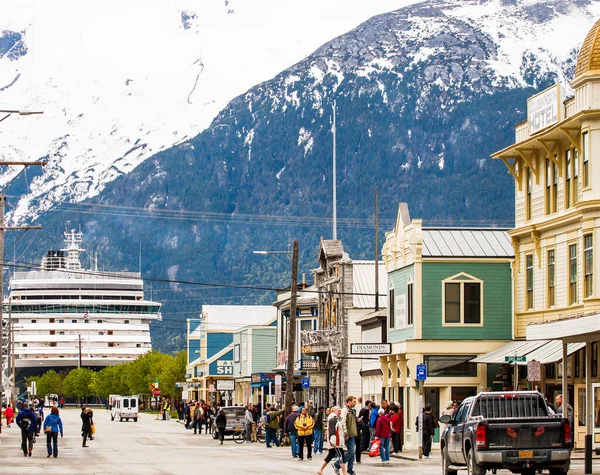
(505, 430)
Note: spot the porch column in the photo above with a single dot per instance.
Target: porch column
(565, 378)
(589, 410)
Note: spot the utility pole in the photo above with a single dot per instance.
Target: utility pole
(334, 177)
(291, 356)
(4, 228)
(79, 360)
(12, 352)
(377, 249)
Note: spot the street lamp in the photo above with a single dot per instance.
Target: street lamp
(289, 391)
(9, 112)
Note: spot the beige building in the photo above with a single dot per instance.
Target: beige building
(555, 162)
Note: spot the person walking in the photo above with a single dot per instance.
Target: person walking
(383, 432)
(374, 414)
(363, 420)
(198, 413)
(9, 413)
(569, 412)
(428, 431)
(86, 424)
(289, 429)
(335, 438)
(396, 422)
(221, 423)
(448, 411)
(248, 422)
(187, 413)
(27, 421)
(348, 420)
(52, 426)
(318, 431)
(304, 425)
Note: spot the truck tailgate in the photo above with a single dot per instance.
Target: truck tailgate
(530, 433)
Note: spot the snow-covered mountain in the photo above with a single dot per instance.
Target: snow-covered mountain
(120, 81)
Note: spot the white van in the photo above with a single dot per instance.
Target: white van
(124, 407)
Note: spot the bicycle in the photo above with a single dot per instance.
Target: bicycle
(239, 436)
(261, 433)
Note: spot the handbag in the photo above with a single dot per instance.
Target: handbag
(374, 450)
(47, 430)
(93, 429)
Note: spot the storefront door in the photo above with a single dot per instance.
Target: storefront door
(579, 409)
(596, 392)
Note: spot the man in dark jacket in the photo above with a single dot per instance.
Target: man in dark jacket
(363, 422)
(427, 430)
(273, 426)
(27, 421)
(290, 430)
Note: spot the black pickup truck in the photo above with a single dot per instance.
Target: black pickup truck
(505, 430)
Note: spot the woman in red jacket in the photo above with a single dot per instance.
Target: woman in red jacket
(396, 420)
(383, 432)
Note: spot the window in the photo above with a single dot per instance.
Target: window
(528, 202)
(52, 343)
(452, 303)
(567, 179)
(52, 332)
(110, 332)
(588, 266)
(24, 345)
(450, 366)
(99, 321)
(551, 289)
(111, 344)
(548, 186)
(33, 321)
(126, 321)
(409, 304)
(586, 158)
(391, 309)
(73, 321)
(555, 189)
(529, 265)
(575, 176)
(462, 298)
(595, 359)
(572, 274)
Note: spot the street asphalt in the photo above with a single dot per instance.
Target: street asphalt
(153, 446)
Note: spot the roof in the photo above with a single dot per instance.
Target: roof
(588, 60)
(364, 284)
(464, 242)
(234, 317)
(332, 248)
(306, 297)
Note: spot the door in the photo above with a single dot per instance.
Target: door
(596, 392)
(579, 416)
(432, 396)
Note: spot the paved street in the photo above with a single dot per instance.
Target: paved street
(151, 446)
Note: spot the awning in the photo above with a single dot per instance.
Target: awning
(514, 348)
(551, 352)
(544, 351)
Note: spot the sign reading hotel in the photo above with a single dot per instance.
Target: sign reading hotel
(544, 109)
(370, 348)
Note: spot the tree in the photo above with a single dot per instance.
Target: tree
(49, 383)
(78, 383)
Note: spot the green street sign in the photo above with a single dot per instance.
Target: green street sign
(515, 359)
(156, 380)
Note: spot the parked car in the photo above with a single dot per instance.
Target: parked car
(124, 407)
(505, 430)
(235, 420)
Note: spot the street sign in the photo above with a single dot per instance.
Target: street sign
(317, 380)
(151, 386)
(370, 348)
(156, 392)
(225, 385)
(534, 371)
(515, 359)
(305, 383)
(421, 372)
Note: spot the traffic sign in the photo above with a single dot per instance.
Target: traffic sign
(421, 372)
(515, 359)
(156, 392)
(305, 383)
(534, 371)
(151, 386)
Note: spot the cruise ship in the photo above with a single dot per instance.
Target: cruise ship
(64, 316)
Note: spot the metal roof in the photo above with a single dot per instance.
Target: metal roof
(446, 242)
(364, 283)
(234, 317)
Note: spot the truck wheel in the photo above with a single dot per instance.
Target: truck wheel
(446, 462)
(472, 467)
(135, 419)
(112, 418)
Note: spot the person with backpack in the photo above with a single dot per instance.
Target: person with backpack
(373, 419)
(52, 426)
(272, 419)
(27, 421)
(336, 438)
(198, 414)
(86, 424)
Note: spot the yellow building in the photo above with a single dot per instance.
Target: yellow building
(555, 162)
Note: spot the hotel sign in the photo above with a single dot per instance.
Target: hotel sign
(544, 109)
